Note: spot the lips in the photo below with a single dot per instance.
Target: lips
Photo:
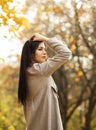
(44, 57)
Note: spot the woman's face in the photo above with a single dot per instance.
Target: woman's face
(40, 53)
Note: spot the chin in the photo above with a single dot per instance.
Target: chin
(42, 61)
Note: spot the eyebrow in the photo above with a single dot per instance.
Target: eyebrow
(42, 47)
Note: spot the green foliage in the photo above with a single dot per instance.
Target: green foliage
(11, 114)
(75, 121)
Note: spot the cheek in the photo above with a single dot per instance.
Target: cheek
(37, 54)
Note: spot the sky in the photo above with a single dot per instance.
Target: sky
(8, 49)
(9, 44)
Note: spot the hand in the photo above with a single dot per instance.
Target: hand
(39, 37)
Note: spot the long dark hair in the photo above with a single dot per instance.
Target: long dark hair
(28, 50)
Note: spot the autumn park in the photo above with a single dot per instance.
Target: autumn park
(73, 21)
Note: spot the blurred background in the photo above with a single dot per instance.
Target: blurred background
(73, 21)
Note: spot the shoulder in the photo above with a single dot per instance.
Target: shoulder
(34, 69)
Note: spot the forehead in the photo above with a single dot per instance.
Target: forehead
(42, 44)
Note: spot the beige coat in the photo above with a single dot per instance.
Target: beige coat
(42, 107)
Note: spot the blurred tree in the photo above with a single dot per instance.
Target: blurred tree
(12, 16)
(11, 114)
(74, 23)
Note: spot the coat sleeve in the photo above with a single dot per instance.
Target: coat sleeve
(52, 64)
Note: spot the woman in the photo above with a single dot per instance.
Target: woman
(37, 90)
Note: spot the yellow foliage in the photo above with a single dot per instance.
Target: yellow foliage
(8, 101)
(16, 16)
(57, 9)
(80, 12)
(11, 127)
(73, 47)
(72, 66)
(78, 76)
(80, 73)
(72, 40)
(13, 28)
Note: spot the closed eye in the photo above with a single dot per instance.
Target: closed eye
(42, 49)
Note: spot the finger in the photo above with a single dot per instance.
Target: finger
(32, 37)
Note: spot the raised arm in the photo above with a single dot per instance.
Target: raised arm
(52, 64)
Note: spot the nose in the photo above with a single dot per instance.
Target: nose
(44, 52)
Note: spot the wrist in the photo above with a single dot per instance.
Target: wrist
(46, 39)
